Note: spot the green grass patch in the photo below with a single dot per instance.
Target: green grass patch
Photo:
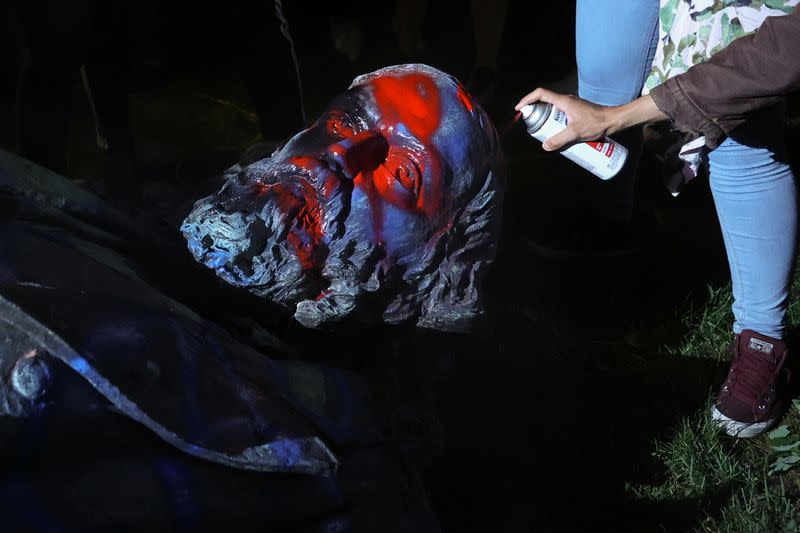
(697, 461)
(757, 507)
(708, 327)
(740, 485)
(784, 442)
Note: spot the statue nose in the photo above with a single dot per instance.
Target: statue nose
(362, 153)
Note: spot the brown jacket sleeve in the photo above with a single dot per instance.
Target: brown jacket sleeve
(754, 71)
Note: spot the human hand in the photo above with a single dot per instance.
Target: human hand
(585, 121)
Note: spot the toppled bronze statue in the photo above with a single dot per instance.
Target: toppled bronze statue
(387, 207)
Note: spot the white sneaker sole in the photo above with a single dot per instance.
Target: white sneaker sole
(742, 430)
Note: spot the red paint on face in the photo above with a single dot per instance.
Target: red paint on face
(464, 98)
(322, 294)
(338, 126)
(412, 100)
(366, 182)
(312, 164)
(330, 185)
(399, 178)
(407, 177)
(304, 162)
(431, 197)
(305, 235)
(363, 152)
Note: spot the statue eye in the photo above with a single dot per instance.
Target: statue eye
(400, 179)
(405, 169)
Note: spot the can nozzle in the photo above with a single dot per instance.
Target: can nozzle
(526, 111)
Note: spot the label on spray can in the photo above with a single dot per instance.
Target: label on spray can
(604, 158)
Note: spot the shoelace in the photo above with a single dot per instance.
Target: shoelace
(752, 375)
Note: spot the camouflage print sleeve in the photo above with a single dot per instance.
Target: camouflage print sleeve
(750, 74)
(690, 33)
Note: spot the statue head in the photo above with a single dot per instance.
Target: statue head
(387, 208)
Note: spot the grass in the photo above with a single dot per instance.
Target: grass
(709, 327)
(756, 507)
(696, 460)
(734, 481)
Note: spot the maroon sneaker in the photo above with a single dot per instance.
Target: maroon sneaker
(750, 401)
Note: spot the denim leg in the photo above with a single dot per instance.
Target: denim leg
(756, 200)
(615, 42)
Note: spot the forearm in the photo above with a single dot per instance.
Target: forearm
(643, 110)
(711, 99)
(588, 121)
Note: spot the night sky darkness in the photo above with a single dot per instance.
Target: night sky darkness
(535, 421)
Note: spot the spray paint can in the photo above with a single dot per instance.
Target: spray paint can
(603, 158)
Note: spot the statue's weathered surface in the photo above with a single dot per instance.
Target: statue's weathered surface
(100, 337)
(386, 208)
(75, 304)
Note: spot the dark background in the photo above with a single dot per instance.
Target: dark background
(540, 418)
(238, 49)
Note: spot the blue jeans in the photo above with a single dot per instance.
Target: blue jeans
(614, 46)
(753, 186)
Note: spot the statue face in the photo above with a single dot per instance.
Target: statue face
(357, 214)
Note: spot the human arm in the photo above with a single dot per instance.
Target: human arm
(587, 121)
(711, 98)
(753, 72)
